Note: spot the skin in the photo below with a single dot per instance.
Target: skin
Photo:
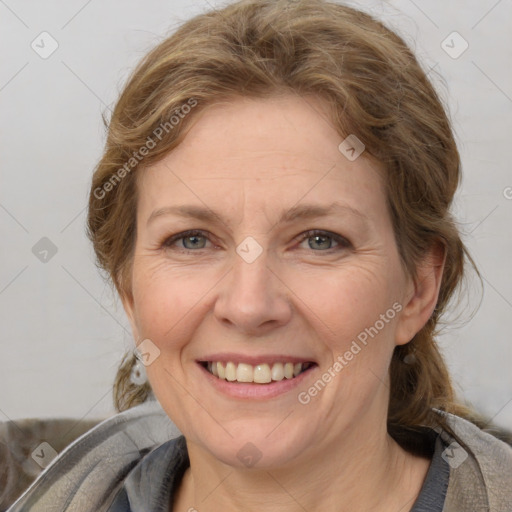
(249, 160)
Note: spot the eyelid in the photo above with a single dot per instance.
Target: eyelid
(168, 241)
(343, 242)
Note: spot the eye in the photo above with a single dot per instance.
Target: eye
(190, 240)
(322, 240)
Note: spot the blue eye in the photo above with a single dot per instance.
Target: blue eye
(323, 240)
(190, 237)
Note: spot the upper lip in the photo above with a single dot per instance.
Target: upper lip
(254, 359)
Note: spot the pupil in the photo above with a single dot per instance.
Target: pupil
(191, 239)
(320, 237)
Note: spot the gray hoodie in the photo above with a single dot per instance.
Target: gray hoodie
(95, 471)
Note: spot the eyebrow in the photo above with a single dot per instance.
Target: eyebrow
(301, 211)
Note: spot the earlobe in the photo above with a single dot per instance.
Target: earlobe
(421, 298)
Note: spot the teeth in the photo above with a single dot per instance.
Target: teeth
(244, 373)
(231, 371)
(277, 372)
(288, 370)
(221, 372)
(260, 374)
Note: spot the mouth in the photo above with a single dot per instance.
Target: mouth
(262, 373)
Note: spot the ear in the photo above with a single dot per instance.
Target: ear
(421, 297)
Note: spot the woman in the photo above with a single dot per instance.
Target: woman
(273, 207)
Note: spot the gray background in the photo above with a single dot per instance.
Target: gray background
(63, 331)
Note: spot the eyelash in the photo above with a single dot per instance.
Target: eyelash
(343, 243)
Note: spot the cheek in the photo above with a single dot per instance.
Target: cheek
(166, 300)
(344, 303)
(334, 305)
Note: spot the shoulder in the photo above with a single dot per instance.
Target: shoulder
(480, 467)
(88, 473)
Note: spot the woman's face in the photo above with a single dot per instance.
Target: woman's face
(252, 286)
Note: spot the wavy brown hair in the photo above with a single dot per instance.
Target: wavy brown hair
(376, 89)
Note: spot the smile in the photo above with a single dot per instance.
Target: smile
(263, 373)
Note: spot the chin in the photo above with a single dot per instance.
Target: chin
(256, 446)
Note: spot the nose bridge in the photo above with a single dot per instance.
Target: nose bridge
(251, 273)
(252, 298)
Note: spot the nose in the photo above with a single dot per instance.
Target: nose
(253, 297)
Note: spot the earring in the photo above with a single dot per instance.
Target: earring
(138, 374)
(411, 357)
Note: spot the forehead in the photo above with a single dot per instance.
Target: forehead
(269, 153)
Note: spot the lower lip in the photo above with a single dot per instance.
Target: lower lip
(250, 390)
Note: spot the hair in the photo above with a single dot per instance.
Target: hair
(375, 88)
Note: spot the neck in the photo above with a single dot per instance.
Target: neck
(359, 472)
